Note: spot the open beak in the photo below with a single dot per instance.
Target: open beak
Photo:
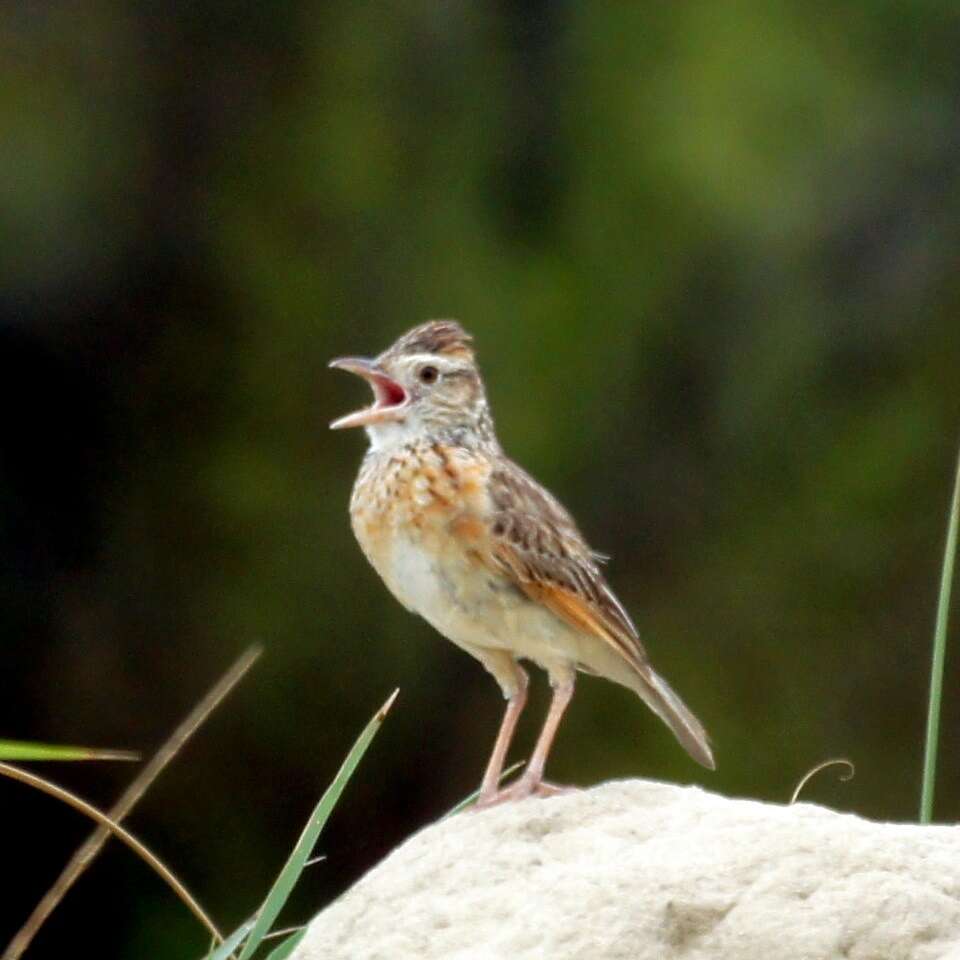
(389, 398)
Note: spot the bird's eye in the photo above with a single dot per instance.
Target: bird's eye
(428, 374)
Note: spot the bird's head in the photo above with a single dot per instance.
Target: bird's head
(426, 384)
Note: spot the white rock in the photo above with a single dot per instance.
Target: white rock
(636, 870)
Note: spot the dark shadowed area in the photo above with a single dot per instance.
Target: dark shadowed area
(709, 254)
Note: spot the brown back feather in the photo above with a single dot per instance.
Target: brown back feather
(538, 545)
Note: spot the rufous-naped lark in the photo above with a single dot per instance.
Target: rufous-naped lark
(467, 539)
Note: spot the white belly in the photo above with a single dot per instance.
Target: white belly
(477, 609)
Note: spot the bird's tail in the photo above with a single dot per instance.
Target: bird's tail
(660, 698)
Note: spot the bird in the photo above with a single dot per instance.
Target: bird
(467, 539)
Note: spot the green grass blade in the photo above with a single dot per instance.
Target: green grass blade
(939, 656)
(226, 948)
(287, 947)
(472, 798)
(20, 750)
(292, 869)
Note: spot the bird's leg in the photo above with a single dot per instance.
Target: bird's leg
(514, 682)
(532, 780)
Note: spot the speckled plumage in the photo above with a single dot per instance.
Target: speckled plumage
(467, 539)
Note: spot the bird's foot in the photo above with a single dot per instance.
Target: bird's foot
(521, 789)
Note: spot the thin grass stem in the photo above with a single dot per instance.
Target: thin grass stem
(472, 798)
(939, 657)
(88, 850)
(55, 790)
(848, 774)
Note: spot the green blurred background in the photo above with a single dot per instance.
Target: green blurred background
(709, 253)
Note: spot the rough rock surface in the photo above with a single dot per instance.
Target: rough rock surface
(636, 870)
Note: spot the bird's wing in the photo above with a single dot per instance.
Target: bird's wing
(535, 542)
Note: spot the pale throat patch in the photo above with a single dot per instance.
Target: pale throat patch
(385, 436)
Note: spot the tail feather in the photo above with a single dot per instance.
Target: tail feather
(660, 698)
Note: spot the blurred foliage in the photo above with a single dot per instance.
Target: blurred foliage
(709, 255)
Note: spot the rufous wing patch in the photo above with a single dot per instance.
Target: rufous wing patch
(575, 610)
(579, 614)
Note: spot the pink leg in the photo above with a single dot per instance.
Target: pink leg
(532, 779)
(491, 778)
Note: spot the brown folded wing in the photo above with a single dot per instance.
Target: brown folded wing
(536, 543)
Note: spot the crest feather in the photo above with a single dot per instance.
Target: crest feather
(435, 336)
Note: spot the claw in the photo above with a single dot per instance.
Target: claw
(520, 790)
